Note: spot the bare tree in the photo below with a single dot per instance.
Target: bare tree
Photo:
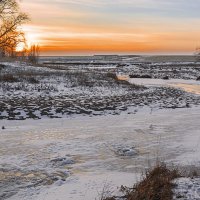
(10, 20)
(33, 53)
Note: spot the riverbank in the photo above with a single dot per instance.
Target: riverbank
(29, 92)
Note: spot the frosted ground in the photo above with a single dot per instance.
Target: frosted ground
(107, 134)
(74, 158)
(65, 91)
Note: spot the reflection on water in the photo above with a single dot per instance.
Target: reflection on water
(12, 180)
(195, 89)
(191, 86)
(122, 77)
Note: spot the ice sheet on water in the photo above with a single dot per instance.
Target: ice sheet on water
(62, 161)
(125, 151)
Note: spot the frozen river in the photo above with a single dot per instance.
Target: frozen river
(74, 158)
(191, 86)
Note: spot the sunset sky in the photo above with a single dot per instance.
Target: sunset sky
(81, 27)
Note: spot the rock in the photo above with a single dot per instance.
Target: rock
(127, 152)
(198, 78)
(59, 183)
(165, 78)
(3, 127)
(62, 161)
(187, 105)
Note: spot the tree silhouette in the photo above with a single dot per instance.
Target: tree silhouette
(10, 20)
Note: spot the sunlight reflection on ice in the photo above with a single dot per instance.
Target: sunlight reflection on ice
(191, 86)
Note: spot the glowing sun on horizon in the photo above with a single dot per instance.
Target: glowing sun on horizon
(20, 47)
(31, 36)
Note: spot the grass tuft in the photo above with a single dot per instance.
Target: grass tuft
(156, 185)
(8, 78)
(140, 76)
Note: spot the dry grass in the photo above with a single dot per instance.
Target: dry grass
(156, 185)
(105, 193)
(140, 76)
(33, 80)
(111, 75)
(8, 78)
(2, 66)
(190, 171)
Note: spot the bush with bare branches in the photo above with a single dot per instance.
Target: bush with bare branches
(33, 54)
(10, 20)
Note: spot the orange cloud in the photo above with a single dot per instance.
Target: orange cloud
(120, 43)
(62, 30)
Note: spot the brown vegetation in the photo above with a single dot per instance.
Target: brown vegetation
(156, 185)
(33, 54)
(8, 78)
(111, 75)
(140, 76)
(10, 19)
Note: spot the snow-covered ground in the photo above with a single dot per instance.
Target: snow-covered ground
(81, 154)
(41, 92)
(187, 189)
(74, 158)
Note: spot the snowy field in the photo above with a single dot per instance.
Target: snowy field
(69, 129)
(29, 92)
(74, 158)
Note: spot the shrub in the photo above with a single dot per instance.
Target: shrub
(2, 66)
(33, 80)
(8, 78)
(156, 185)
(111, 75)
(33, 54)
(165, 78)
(140, 76)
